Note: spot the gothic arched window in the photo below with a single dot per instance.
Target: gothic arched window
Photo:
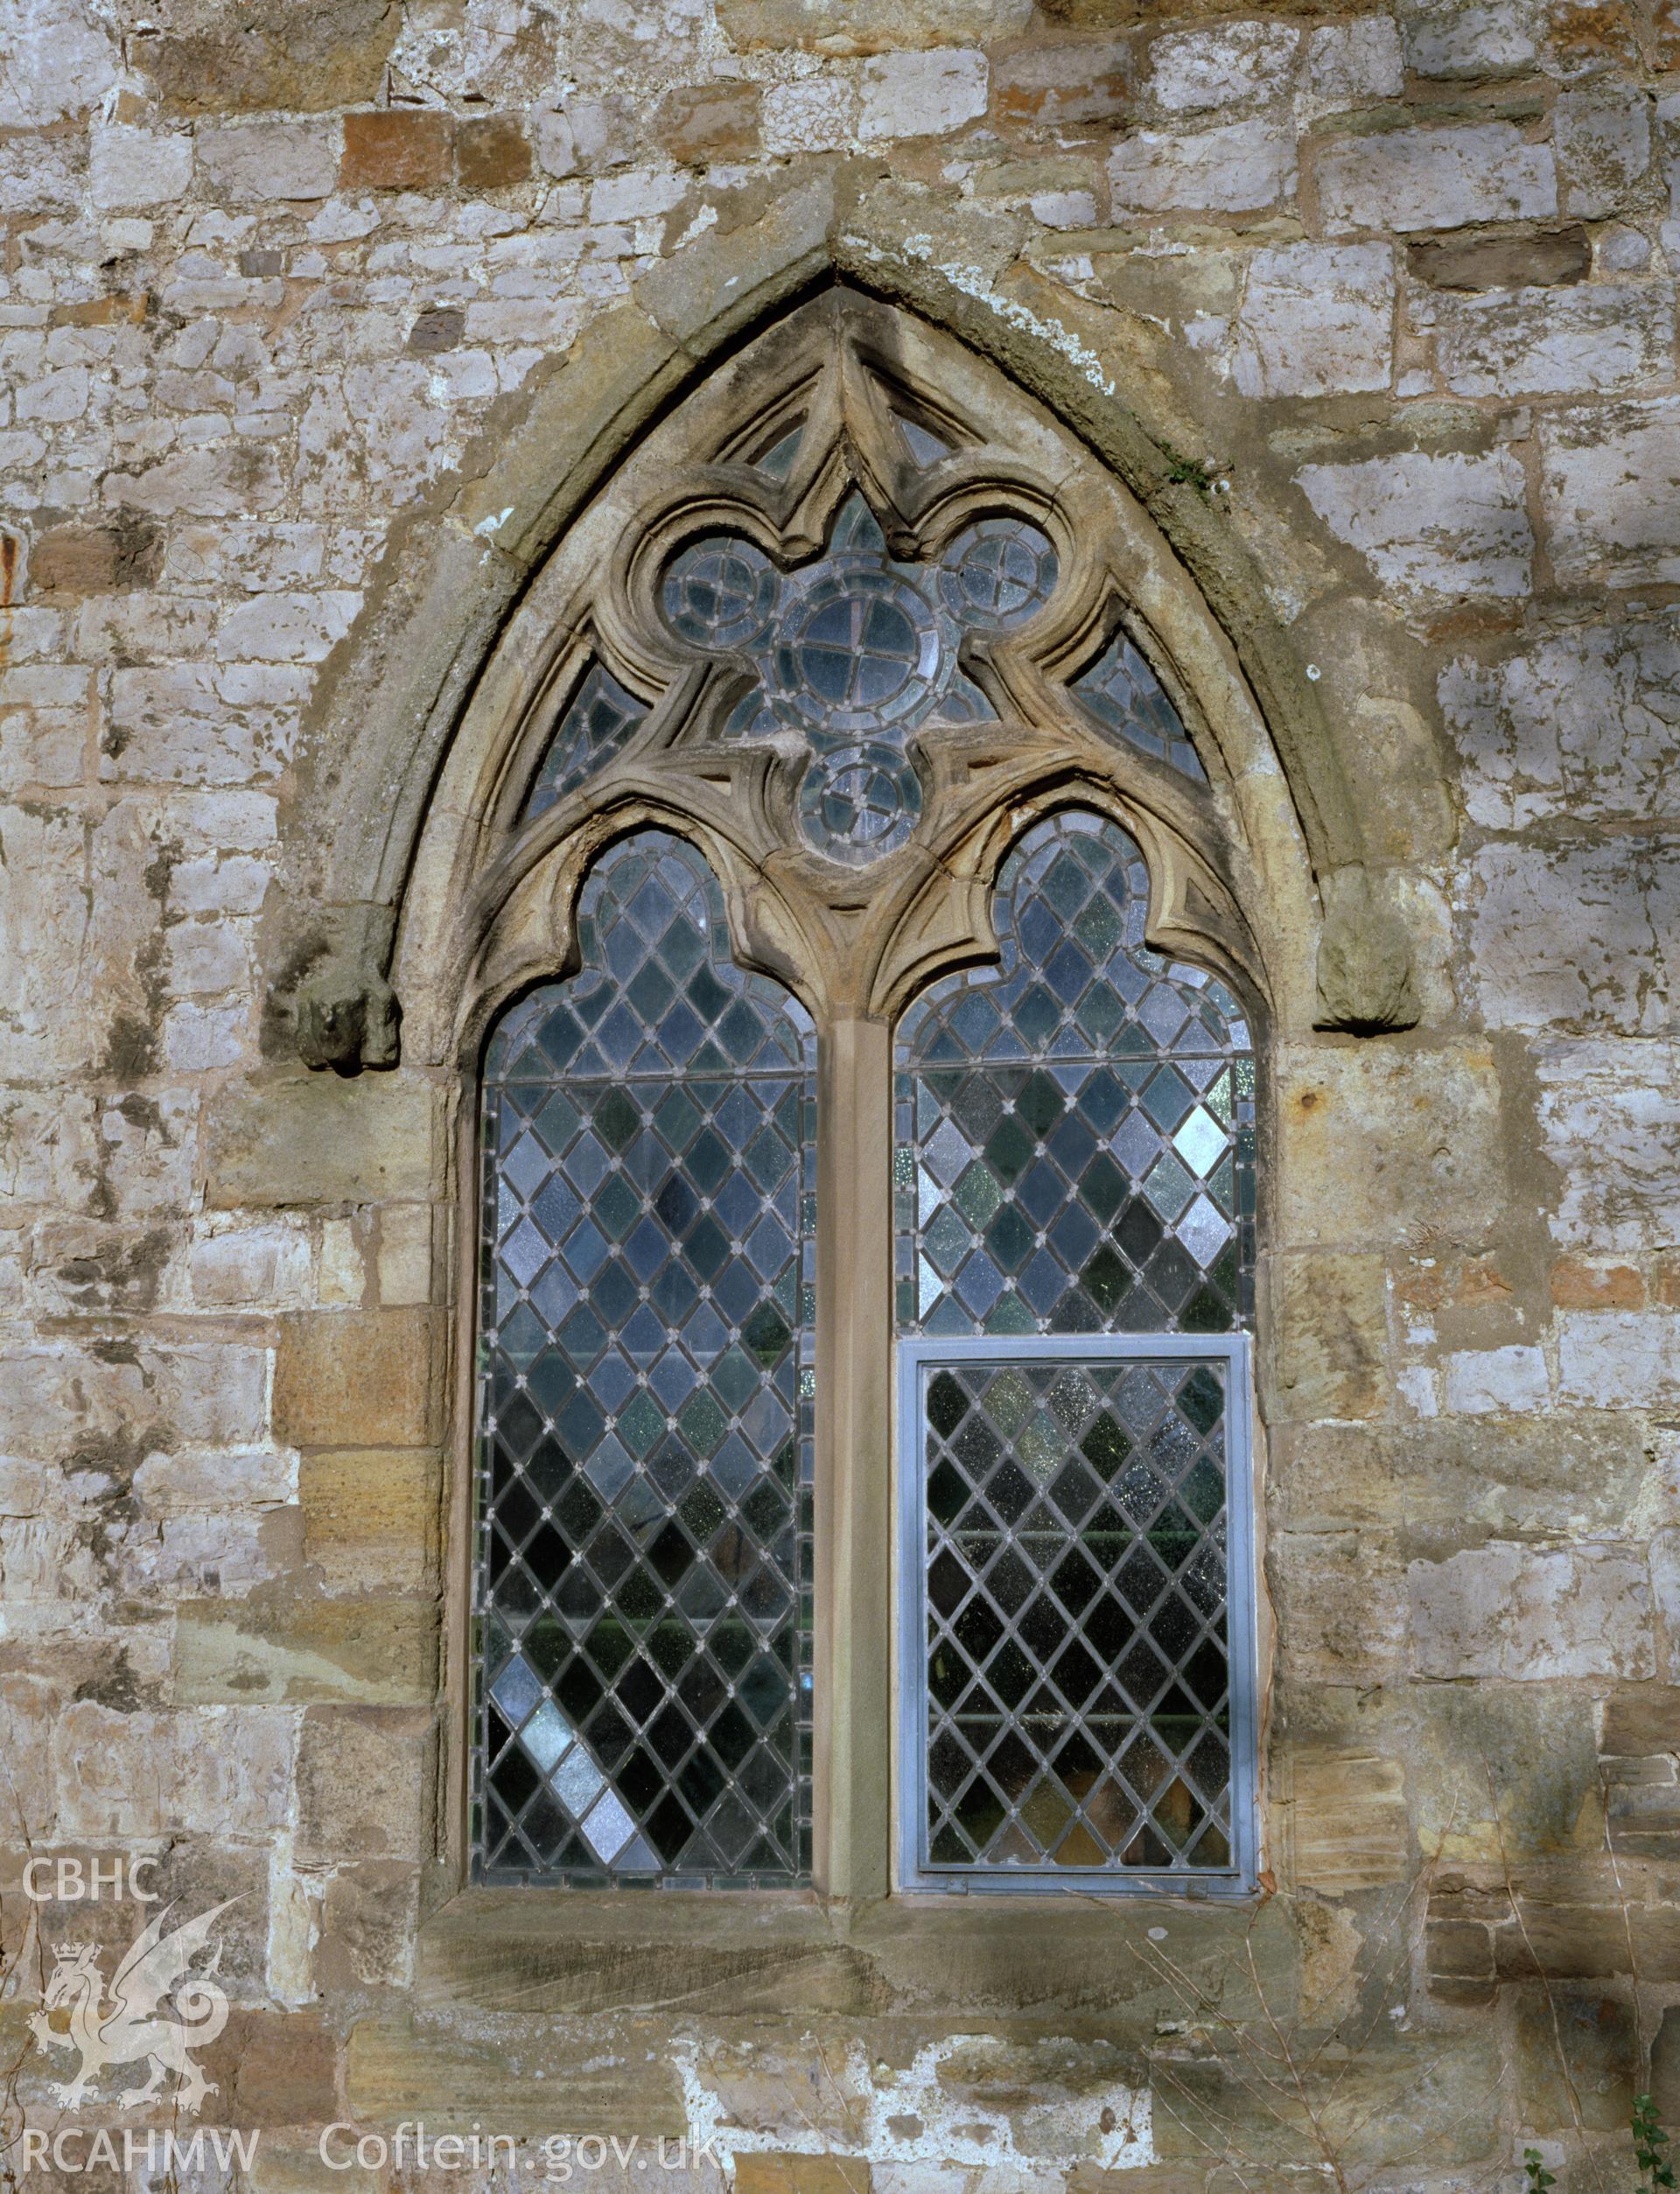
(868, 1161)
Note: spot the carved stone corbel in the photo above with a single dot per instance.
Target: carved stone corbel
(345, 1011)
(1366, 972)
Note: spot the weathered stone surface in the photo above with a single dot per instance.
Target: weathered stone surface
(1482, 1380)
(1538, 343)
(1435, 179)
(346, 1378)
(1332, 1307)
(1242, 64)
(1352, 1829)
(365, 1652)
(271, 56)
(492, 153)
(527, 2075)
(311, 1139)
(921, 94)
(1070, 83)
(57, 58)
(1237, 167)
(710, 121)
(364, 1782)
(1604, 147)
(371, 1517)
(1608, 492)
(874, 26)
(1619, 1359)
(1578, 938)
(254, 161)
(1431, 526)
(1594, 2035)
(1585, 724)
(1345, 64)
(1532, 1614)
(1609, 1113)
(138, 167)
(404, 150)
(1316, 321)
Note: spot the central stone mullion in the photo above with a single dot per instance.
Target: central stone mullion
(853, 1783)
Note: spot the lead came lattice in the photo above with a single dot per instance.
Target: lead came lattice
(1078, 1700)
(645, 1453)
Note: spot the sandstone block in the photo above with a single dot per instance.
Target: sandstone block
(273, 2068)
(1331, 1319)
(703, 122)
(1602, 339)
(1578, 1287)
(1350, 1825)
(253, 162)
(1378, 1139)
(921, 94)
(1642, 1723)
(1238, 167)
(371, 1517)
(364, 1783)
(804, 2175)
(1539, 260)
(1599, 2049)
(1341, 1611)
(492, 153)
(218, 1770)
(369, 1920)
(397, 2068)
(359, 1652)
(1610, 491)
(314, 1139)
(349, 1378)
(1431, 527)
(868, 26)
(1585, 724)
(1316, 321)
(1665, 2067)
(407, 149)
(1070, 84)
(1532, 1614)
(273, 56)
(1435, 179)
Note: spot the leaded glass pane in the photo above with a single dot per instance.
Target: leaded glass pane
(601, 717)
(1075, 1126)
(1125, 697)
(854, 652)
(644, 1453)
(1078, 1701)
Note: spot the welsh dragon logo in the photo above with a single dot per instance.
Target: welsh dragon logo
(127, 2028)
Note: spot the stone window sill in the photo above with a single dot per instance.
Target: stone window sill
(581, 1952)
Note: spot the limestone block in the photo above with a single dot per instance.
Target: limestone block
(284, 627)
(1435, 179)
(1610, 492)
(254, 162)
(1487, 38)
(1619, 1359)
(868, 26)
(1579, 937)
(1226, 65)
(1605, 338)
(1377, 1142)
(921, 94)
(1482, 1380)
(1317, 319)
(267, 1266)
(1431, 527)
(813, 114)
(57, 58)
(1604, 147)
(349, 1378)
(138, 167)
(318, 1139)
(1238, 167)
(365, 1652)
(229, 479)
(216, 1771)
(1584, 724)
(1345, 64)
(1532, 1614)
(371, 1517)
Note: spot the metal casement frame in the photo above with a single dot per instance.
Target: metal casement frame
(917, 1354)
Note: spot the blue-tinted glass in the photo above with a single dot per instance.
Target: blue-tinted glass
(1104, 1096)
(645, 1452)
(854, 651)
(601, 717)
(1125, 697)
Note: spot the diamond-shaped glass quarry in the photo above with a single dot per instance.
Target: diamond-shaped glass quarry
(1077, 1702)
(644, 1473)
(1075, 1126)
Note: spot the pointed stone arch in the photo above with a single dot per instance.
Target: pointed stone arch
(408, 754)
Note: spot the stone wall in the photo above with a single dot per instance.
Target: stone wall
(1395, 288)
